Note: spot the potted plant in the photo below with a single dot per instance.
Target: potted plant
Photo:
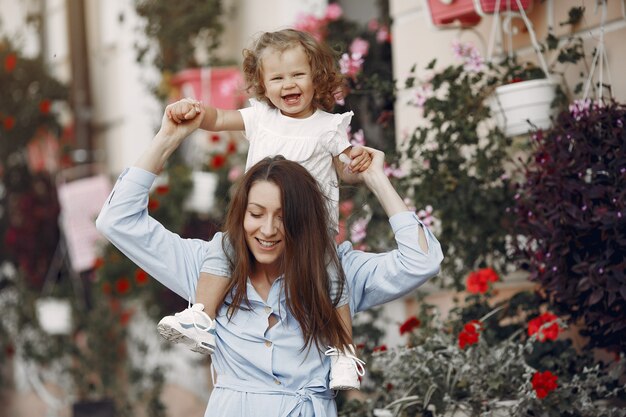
(511, 358)
(571, 218)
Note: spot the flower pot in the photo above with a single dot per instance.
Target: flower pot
(202, 197)
(445, 12)
(220, 87)
(100, 408)
(54, 315)
(520, 106)
(484, 7)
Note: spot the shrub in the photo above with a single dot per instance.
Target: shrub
(572, 217)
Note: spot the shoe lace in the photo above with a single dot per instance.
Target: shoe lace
(350, 354)
(193, 317)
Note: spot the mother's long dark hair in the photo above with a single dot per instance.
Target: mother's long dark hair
(309, 250)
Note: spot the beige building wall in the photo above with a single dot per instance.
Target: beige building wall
(417, 41)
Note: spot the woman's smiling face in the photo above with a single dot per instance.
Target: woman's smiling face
(263, 226)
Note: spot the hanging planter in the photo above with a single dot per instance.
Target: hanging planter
(446, 12)
(523, 105)
(520, 106)
(54, 315)
(220, 87)
(485, 7)
(202, 198)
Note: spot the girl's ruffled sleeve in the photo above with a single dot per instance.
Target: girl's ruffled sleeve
(251, 116)
(337, 138)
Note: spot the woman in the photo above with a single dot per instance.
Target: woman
(277, 318)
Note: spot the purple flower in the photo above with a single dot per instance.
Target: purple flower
(471, 57)
(580, 108)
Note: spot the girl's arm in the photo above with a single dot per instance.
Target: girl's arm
(213, 119)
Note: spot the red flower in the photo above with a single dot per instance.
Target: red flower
(125, 317)
(548, 332)
(231, 148)
(215, 138)
(122, 285)
(9, 351)
(478, 281)
(218, 161)
(162, 189)
(543, 383)
(9, 123)
(470, 334)
(98, 263)
(106, 288)
(9, 62)
(410, 324)
(389, 386)
(381, 348)
(516, 80)
(153, 204)
(141, 277)
(44, 106)
(489, 274)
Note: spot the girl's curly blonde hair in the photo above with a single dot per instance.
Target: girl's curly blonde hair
(325, 72)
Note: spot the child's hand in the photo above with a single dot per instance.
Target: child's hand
(360, 159)
(182, 110)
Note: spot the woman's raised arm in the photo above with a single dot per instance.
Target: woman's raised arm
(377, 278)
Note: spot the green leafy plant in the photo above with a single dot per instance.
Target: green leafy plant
(179, 29)
(492, 358)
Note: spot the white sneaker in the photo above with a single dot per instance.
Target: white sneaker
(191, 327)
(345, 368)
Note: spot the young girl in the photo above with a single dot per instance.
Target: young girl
(292, 78)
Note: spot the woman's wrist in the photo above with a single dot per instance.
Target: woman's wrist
(382, 188)
(161, 147)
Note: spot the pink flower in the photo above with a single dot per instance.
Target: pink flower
(393, 171)
(358, 231)
(580, 108)
(358, 138)
(423, 93)
(234, 173)
(426, 215)
(346, 207)
(333, 11)
(373, 25)
(359, 46)
(383, 35)
(466, 52)
(311, 24)
(350, 65)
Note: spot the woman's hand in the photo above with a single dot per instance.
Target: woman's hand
(377, 181)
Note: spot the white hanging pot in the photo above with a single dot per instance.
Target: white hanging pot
(202, 197)
(522, 106)
(54, 315)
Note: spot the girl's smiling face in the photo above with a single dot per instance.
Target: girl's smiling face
(288, 81)
(263, 226)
